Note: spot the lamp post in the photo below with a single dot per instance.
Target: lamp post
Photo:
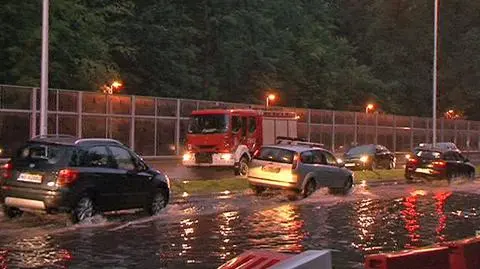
(44, 72)
(435, 44)
(270, 97)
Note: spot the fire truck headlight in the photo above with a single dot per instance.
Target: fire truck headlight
(187, 156)
(226, 156)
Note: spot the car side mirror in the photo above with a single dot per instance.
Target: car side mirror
(466, 160)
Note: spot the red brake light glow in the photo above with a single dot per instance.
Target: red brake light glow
(7, 170)
(439, 164)
(66, 177)
(412, 161)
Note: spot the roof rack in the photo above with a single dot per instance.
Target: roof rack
(97, 139)
(441, 146)
(298, 142)
(52, 136)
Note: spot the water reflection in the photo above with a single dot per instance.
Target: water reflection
(411, 218)
(200, 238)
(39, 251)
(282, 224)
(226, 229)
(440, 201)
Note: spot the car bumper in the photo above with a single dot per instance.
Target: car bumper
(356, 165)
(34, 199)
(276, 184)
(216, 162)
(424, 173)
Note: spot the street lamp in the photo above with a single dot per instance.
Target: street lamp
(369, 107)
(270, 97)
(435, 42)
(109, 89)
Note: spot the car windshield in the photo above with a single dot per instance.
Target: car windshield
(430, 155)
(207, 124)
(360, 150)
(43, 156)
(275, 155)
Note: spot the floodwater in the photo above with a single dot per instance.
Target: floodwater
(196, 232)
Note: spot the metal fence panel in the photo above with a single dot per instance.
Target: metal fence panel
(157, 126)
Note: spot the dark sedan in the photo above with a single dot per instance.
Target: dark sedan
(80, 176)
(438, 164)
(369, 157)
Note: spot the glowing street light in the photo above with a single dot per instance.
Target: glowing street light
(369, 107)
(270, 97)
(113, 87)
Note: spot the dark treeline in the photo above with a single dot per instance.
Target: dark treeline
(332, 54)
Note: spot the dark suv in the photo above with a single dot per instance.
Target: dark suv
(80, 176)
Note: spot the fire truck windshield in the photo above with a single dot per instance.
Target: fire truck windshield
(208, 124)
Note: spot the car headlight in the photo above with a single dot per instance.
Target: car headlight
(364, 159)
(339, 161)
(226, 156)
(187, 156)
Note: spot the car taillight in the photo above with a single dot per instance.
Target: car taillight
(412, 162)
(296, 160)
(7, 170)
(439, 164)
(66, 177)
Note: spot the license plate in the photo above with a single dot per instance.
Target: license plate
(30, 178)
(271, 169)
(349, 164)
(422, 170)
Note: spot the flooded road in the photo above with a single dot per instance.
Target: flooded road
(196, 232)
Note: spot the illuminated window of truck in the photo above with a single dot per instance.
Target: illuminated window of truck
(208, 124)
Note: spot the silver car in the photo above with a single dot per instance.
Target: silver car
(302, 169)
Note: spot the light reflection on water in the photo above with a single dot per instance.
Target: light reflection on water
(196, 240)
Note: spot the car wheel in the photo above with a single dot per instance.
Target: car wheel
(450, 177)
(373, 166)
(257, 189)
(309, 188)
(84, 208)
(391, 165)
(157, 203)
(348, 186)
(471, 175)
(12, 212)
(242, 169)
(343, 190)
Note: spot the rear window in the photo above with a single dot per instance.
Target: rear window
(430, 155)
(44, 156)
(275, 155)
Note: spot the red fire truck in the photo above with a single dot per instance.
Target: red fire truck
(229, 137)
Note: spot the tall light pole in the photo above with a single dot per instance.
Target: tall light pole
(44, 72)
(435, 44)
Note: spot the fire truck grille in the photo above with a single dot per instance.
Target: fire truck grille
(203, 158)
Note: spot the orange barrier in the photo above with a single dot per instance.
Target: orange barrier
(464, 254)
(425, 258)
(255, 259)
